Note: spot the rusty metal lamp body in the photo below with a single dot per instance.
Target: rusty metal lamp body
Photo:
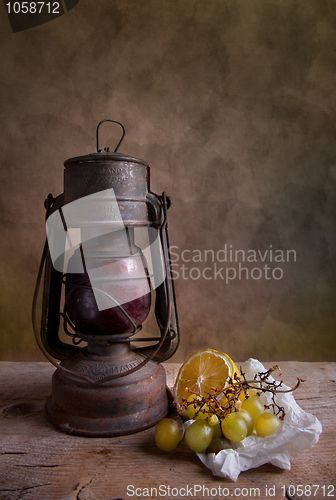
(108, 387)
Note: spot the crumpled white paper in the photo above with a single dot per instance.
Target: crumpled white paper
(300, 431)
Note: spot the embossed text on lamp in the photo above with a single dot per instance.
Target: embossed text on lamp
(106, 252)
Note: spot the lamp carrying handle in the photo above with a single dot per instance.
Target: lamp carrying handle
(97, 134)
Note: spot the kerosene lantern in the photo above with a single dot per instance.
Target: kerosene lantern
(106, 252)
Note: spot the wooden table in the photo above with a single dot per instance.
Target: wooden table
(38, 461)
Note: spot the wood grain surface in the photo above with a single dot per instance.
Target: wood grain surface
(39, 462)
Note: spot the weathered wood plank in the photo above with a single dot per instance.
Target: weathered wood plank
(39, 462)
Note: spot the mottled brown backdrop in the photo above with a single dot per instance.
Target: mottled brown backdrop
(232, 102)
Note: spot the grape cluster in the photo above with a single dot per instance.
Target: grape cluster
(227, 415)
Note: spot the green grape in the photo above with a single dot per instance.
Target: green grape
(252, 391)
(193, 408)
(223, 400)
(248, 420)
(217, 430)
(266, 424)
(217, 444)
(199, 435)
(253, 406)
(234, 427)
(213, 420)
(167, 434)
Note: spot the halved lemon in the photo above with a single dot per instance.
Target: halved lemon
(202, 371)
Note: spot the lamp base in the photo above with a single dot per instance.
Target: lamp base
(124, 405)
